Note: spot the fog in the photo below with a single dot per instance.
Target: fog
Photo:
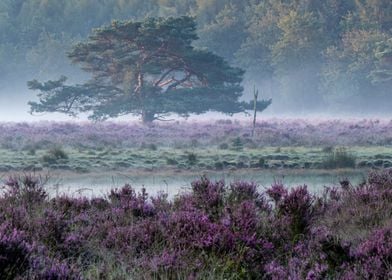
(195, 139)
(340, 69)
(17, 110)
(14, 107)
(93, 185)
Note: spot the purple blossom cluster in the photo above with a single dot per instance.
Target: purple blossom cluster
(271, 132)
(217, 230)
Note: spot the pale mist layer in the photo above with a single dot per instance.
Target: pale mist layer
(14, 107)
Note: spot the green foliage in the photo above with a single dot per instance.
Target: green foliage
(223, 146)
(54, 155)
(328, 149)
(147, 68)
(327, 52)
(225, 34)
(383, 69)
(300, 40)
(171, 161)
(237, 144)
(150, 146)
(339, 158)
(191, 158)
(262, 162)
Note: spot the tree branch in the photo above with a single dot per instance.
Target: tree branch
(163, 77)
(179, 82)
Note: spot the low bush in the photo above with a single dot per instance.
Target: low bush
(339, 158)
(215, 231)
(191, 158)
(149, 146)
(53, 155)
(171, 161)
(223, 146)
(237, 144)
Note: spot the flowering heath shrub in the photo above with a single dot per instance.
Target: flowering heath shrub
(215, 231)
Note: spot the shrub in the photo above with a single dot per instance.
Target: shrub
(297, 206)
(339, 158)
(381, 179)
(223, 146)
(328, 149)
(276, 192)
(214, 231)
(237, 144)
(208, 196)
(171, 161)
(14, 252)
(28, 188)
(58, 153)
(127, 199)
(261, 163)
(149, 146)
(194, 143)
(219, 165)
(192, 158)
(239, 192)
(353, 211)
(54, 155)
(44, 267)
(373, 257)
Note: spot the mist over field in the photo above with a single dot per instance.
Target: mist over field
(311, 58)
(14, 98)
(195, 139)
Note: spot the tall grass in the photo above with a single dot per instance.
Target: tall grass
(339, 158)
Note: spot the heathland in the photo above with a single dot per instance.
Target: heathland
(213, 229)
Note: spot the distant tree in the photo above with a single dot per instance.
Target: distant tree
(375, 13)
(176, 7)
(294, 50)
(147, 68)
(354, 59)
(354, 72)
(208, 9)
(300, 42)
(226, 33)
(383, 69)
(262, 33)
(297, 58)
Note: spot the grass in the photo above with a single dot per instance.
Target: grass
(212, 230)
(209, 158)
(339, 158)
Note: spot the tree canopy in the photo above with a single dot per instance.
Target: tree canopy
(330, 52)
(147, 68)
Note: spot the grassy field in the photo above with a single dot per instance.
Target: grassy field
(169, 156)
(306, 200)
(197, 159)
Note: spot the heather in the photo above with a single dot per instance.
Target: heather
(216, 230)
(271, 132)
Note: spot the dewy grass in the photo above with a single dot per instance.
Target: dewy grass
(339, 158)
(196, 158)
(103, 146)
(216, 230)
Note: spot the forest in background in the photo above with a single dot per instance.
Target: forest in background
(303, 54)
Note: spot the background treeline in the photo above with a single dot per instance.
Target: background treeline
(318, 54)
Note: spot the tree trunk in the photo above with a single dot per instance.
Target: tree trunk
(147, 117)
(255, 95)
